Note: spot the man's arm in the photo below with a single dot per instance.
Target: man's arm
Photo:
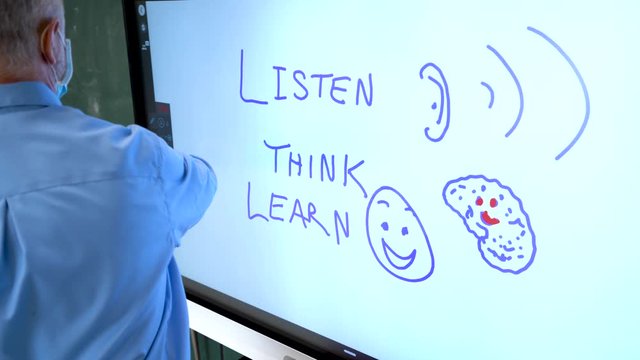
(189, 184)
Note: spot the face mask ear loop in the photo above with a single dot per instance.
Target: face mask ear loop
(68, 73)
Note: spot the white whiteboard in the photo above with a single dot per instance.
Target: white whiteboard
(531, 105)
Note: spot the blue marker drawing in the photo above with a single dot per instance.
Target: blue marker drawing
(397, 238)
(515, 79)
(500, 224)
(408, 260)
(490, 92)
(242, 97)
(444, 106)
(582, 84)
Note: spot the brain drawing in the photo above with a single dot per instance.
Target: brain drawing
(496, 217)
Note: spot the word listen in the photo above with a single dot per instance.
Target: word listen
(337, 86)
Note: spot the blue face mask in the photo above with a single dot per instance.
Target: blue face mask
(63, 84)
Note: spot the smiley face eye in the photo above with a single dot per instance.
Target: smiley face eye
(405, 231)
(493, 203)
(479, 201)
(385, 226)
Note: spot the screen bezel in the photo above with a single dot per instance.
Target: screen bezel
(278, 329)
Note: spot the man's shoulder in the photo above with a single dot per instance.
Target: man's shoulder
(91, 125)
(132, 148)
(62, 146)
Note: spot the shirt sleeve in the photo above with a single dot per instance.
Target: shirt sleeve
(189, 184)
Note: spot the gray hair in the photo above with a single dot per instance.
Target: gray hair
(21, 23)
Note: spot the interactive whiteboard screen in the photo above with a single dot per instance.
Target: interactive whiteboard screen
(415, 179)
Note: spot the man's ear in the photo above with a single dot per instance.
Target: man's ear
(48, 44)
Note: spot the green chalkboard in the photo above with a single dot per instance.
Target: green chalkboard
(100, 86)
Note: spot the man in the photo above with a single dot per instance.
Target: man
(90, 213)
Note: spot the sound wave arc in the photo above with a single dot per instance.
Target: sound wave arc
(515, 79)
(582, 83)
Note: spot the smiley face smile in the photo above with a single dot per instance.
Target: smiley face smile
(408, 260)
(488, 220)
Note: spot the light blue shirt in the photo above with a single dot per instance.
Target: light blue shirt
(90, 214)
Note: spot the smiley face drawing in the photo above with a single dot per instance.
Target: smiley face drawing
(397, 238)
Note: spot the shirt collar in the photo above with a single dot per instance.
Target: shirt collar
(27, 94)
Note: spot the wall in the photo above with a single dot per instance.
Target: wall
(100, 85)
